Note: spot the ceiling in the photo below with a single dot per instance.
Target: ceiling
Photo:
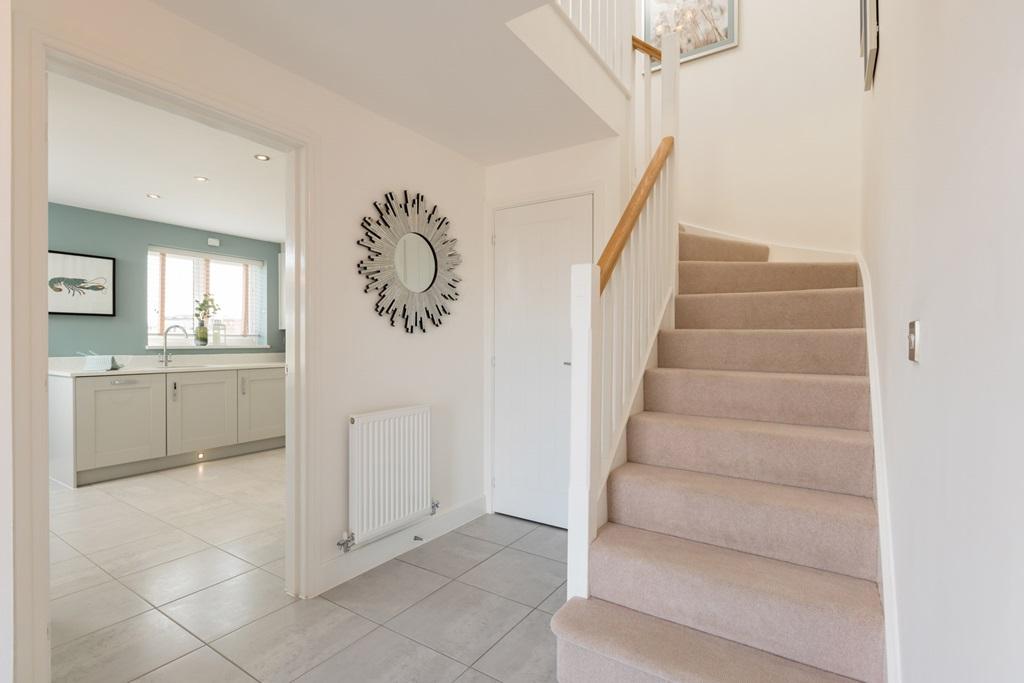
(448, 69)
(107, 152)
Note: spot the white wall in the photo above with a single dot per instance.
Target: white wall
(943, 244)
(356, 362)
(592, 167)
(770, 132)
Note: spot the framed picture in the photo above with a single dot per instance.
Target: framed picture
(704, 26)
(80, 284)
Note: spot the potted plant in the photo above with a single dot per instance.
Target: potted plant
(204, 309)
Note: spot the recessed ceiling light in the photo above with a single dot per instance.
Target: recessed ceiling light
(152, 195)
(200, 178)
(261, 157)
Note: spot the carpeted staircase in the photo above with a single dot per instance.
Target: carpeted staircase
(742, 541)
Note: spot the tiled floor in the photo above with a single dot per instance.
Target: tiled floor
(176, 576)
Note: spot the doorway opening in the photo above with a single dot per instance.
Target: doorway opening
(172, 234)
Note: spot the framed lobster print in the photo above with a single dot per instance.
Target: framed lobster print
(80, 284)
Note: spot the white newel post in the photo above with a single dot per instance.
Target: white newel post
(584, 442)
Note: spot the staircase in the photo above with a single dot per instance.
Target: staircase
(741, 542)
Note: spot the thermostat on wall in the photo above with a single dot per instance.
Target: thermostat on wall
(213, 242)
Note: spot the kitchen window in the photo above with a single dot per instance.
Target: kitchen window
(178, 279)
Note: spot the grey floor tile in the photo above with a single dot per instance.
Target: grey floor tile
(526, 655)
(518, 576)
(384, 591)
(276, 568)
(260, 548)
(144, 553)
(104, 526)
(68, 499)
(69, 576)
(459, 621)
(225, 523)
(226, 606)
(293, 640)
(60, 551)
(199, 666)
(546, 541)
(451, 555)
(91, 609)
(554, 601)
(386, 656)
(122, 652)
(175, 579)
(474, 676)
(500, 529)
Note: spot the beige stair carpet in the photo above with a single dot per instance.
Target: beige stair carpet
(742, 541)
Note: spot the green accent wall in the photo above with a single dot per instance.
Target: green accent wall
(128, 240)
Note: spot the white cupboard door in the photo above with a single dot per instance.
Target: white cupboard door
(535, 246)
(119, 420)
(202, 410)
(260, 404)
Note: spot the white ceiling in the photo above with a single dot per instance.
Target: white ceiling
(106, 152)
(449, 69)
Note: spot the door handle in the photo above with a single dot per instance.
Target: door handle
(174, 392)
(243, 386)
(567, 362)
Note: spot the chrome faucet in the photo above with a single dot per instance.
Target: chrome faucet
(165, 359)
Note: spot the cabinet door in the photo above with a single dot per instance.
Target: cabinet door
(119, 420)
(202, 410)
(260, 404)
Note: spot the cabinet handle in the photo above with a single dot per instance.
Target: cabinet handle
(174, 392)
(243, 386)
(119, 382)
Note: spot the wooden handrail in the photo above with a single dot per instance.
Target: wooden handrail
(617, 242)
(641, 45)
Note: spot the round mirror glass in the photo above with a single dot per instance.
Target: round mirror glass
(415, 262)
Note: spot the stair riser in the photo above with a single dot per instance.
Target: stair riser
(814, 309)
(812, 633)
(716, 277)
(816, 400)
(579, 665)
(826, 352)
(820, 538)
(701, 248)
(840, 465)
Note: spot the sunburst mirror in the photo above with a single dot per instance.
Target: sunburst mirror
(412, 261)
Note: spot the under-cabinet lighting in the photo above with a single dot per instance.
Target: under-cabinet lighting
(152, 195)
(200, 179)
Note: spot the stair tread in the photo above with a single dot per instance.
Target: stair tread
(707, 248)
(709, 277)
(673, 652)
(830, 531)
(734, 425)
(827, 351)
(792, 398)
(820, 618)
(831, 308)
(820, 458)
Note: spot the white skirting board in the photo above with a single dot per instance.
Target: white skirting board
(343, 567)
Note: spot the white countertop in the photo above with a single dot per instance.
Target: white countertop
(174, 367)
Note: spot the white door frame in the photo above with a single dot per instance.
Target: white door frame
(34, 55)
(595, 189)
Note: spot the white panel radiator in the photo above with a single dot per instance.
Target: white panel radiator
(388, 473)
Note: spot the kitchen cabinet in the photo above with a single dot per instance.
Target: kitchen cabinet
(118, 420)
(260, 404)
(202, 410)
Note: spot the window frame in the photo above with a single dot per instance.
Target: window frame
(255, 290)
